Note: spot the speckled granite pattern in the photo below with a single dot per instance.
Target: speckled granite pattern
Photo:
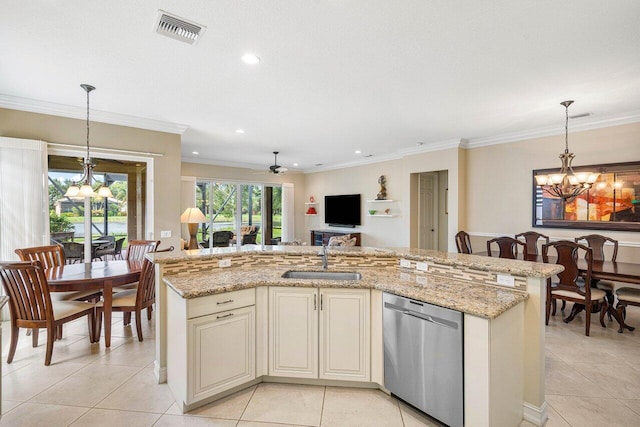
(476, 299)
(459, 261)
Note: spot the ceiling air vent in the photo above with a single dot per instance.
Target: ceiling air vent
(178, 28)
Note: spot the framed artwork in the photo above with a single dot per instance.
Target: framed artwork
(612, 203)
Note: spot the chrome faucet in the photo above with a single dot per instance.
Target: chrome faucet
(325, 257)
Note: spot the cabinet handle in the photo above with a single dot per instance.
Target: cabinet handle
(226, 315)
(315, 303)
(321, 295)
(224, 302)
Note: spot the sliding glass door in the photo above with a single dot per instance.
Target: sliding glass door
(246, 213)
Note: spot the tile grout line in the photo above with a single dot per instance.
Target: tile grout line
(400, 410)
(248, 402)
(324, 396)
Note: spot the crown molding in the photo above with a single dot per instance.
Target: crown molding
(577, 125)
(73, 112)
(223, 163)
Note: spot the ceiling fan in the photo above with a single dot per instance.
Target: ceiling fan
(275, 168)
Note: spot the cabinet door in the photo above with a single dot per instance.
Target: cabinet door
(293, 332)
(222, 352)
(345, 334)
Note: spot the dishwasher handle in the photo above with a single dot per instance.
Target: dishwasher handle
(426, 317)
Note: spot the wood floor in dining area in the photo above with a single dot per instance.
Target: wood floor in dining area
(591, 381)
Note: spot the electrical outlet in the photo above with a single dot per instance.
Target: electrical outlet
(224, 263)
(165, 233)
(421, 280)
(506, 280)
(405, 276)
(422, 266)
(405, 263)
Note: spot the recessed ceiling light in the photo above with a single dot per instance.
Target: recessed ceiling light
(251, 59)
(295, 164)
(358, 151)
(195, 152)
(239, 130)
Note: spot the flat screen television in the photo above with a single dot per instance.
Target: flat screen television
(342, 210)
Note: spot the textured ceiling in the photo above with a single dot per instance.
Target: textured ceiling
(336, 76)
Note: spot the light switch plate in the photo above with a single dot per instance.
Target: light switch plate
(165, 233)
(422, 266)
(405, 263)
(506, 280)
(421, 280)
(224, 263)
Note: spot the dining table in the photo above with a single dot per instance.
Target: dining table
(100, 275)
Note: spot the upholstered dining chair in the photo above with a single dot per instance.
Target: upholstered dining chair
(134, 300)
(596, 242)
(567, 287)
(507, 247)
(463, 243)
(31, 306)
(49, 257)
(531, 240)
(137, 249)
(626, 296)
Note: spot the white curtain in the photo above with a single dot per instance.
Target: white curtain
(288, 213)
(24, 216)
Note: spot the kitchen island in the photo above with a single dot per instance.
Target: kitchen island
(201, 303)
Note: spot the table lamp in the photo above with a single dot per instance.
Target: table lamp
(193, 217)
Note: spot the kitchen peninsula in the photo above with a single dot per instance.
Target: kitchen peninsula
(224, 322)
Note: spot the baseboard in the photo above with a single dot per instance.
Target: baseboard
(160, 373)
(534, 414)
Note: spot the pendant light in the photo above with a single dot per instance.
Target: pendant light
(86, 190)
(567, 184)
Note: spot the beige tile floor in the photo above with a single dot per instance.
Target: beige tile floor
(591, 381)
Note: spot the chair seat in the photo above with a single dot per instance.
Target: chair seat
(596, 294)
(62, 309)
(70, 296)
(605, 286)
(127, 287)
(629, 294)
(122, 299)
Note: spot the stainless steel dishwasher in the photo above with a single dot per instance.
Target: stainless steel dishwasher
(423, 357)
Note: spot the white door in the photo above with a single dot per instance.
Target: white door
(223, 352)
(293, 332)
(428, 211)
(345, 334)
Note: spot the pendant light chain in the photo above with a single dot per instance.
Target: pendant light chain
(566, 128)
(87, 124)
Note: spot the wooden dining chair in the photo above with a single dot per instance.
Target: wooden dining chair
(597, 242)
(567, 287)
(463, 243)
(49, 257)
(626, 296)
(135, 300)
(531, 240)
(137, 249)
(507, 247)
(31, 306)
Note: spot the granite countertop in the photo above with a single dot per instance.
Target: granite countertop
(477, 262)
(476, 299)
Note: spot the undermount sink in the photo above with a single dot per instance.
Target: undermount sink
(322, 275)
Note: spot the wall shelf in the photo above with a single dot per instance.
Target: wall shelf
(382, 215)
(380, 201)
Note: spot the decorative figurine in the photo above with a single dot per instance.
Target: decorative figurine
(382, 195)
(312, 199)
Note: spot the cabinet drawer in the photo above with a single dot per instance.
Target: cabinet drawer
(210, 304)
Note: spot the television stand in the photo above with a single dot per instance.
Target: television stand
(320, 237)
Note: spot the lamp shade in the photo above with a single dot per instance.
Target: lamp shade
(192, 215)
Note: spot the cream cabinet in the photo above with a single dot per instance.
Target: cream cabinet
(319, 333)
(345, 338)
(293, 332)
(223, 351)
(210, 345)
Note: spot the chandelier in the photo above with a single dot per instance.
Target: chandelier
(86, 190)
(566, 184)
